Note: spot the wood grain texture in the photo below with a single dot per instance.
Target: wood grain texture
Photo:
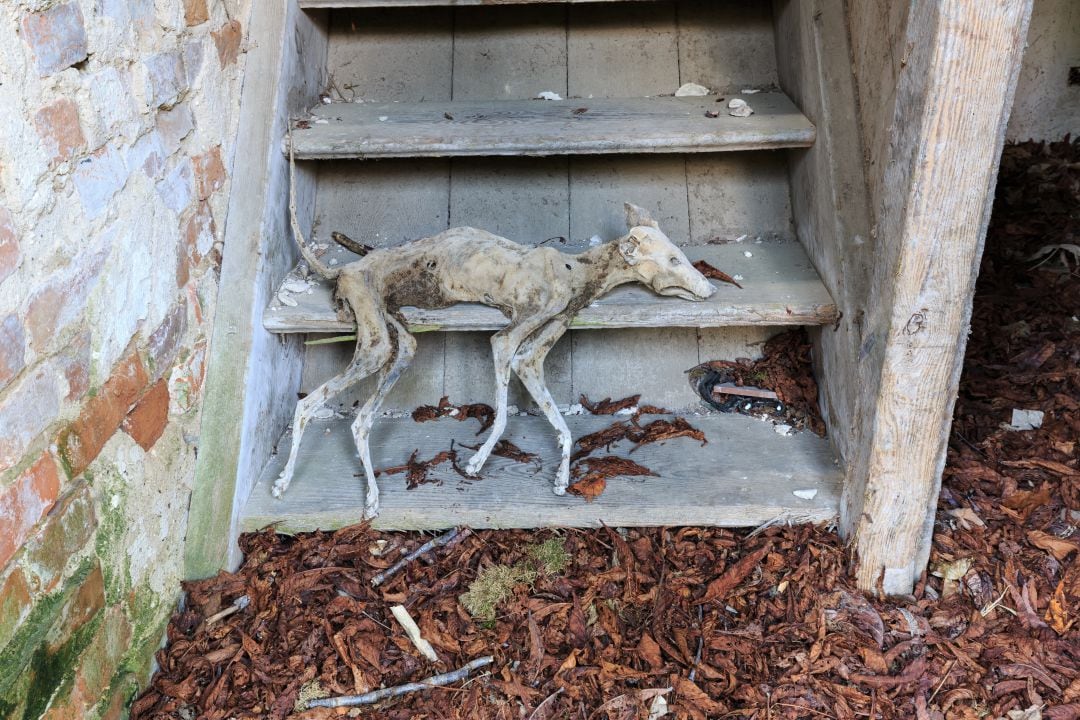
(540, 127)
(315, 4)
(780, 287)
(952, 102)
(251, 376)
(745, 476)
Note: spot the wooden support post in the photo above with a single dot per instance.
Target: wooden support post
(954, 89)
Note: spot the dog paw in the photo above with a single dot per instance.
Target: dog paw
(280, 486)
(474, 465)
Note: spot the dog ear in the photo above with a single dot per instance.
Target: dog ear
(637, 216)
(630, 249)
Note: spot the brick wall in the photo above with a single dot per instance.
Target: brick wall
(117, 123)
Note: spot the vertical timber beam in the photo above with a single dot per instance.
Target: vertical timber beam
(953, 95)
(252, 375)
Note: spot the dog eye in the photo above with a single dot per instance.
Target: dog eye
(675, 260)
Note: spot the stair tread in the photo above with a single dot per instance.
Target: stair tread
(780, 287)
(545, 127)
(746, 475)
(314, 4)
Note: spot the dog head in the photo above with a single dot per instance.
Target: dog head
(657, 261)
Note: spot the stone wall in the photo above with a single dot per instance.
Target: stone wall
(117, 128)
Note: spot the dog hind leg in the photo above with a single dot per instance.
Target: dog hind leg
(528, 364)
(504, 345)
(404, 349)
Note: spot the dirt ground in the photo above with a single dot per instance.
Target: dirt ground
(719, 623)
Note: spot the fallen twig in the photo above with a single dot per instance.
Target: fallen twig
(377, 695)
(430, 545)
(413, 631)
(238, 604)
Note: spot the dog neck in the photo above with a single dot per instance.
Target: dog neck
(604, 268)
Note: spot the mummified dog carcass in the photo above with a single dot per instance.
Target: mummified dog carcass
(539, 289)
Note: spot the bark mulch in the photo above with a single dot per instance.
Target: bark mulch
(737, 624)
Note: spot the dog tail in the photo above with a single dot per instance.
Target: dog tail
(349, 244)
(313, 260)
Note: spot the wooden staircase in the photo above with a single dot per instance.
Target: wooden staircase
(429, 120)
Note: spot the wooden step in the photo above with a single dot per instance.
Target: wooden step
(746, 475)
(780, 287)
(315, 4)
(543, 127)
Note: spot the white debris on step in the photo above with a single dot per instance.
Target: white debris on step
(575, 409)
(596, 240)
(285, 299)
(295, 285)
(738, 278)
(1026, 419)
(784, 430)
(658, 709)
(741, 238)
(548, 95)
(511, 409)
(805, 494)
(691, 90)
(323, 413)
(627, 410)
(750, 91)
(739, 108)
(383, 118)
(747, 253)
(322, 121)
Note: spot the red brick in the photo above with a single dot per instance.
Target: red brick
(25, 502)
(75, 361)
(14, 604)
(164, 342)
(95, 668)
(12, 348)
(67, 529)
(60, 303)
(195, 12)
(228, 40)
(87, 601)
(57, 37)
(81, 442)
(58, 125)
(9, 245)
(209, 172)
(147, 420)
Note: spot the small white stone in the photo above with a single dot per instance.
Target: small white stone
(692, 90)
(805, 494)
(453, 413)
(596, 240)
(511, 409)
(747, 253)
(383, 118)
(750, 91)
(548, 95)
(333, 261)
(1026, 419)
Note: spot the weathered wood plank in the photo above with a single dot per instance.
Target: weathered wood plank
(538, 127)
(746, 475)
(315, 4)
(780, 287)
(953, 96)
